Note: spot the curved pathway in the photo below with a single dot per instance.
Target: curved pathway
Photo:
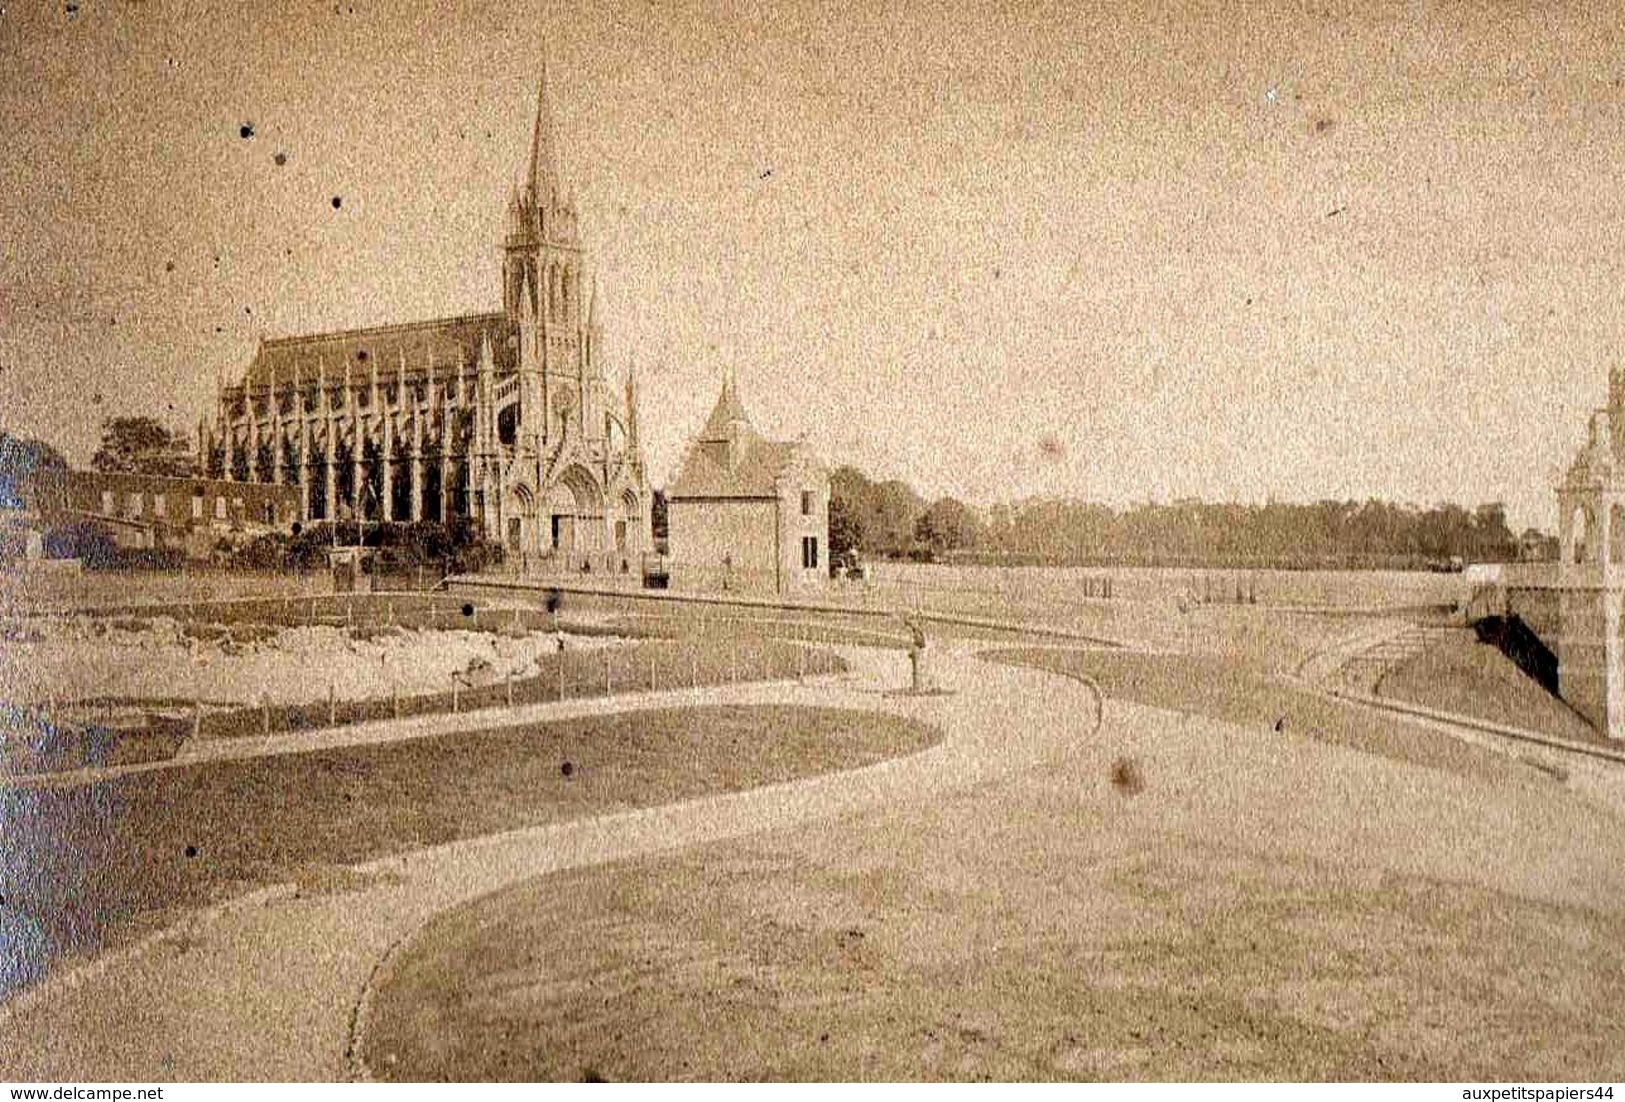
(268, 987)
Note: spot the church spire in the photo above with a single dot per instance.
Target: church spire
(543, 182)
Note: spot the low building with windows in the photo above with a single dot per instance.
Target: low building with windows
(747, 514)
(151, 512)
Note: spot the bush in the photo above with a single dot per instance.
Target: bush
(266, 552)
(85, 540)
(457, 546)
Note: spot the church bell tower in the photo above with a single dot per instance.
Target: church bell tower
(543, 283)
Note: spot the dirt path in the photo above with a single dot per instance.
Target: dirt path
(1323, 902)
(268, 988)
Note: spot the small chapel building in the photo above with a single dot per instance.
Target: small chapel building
(746, 514)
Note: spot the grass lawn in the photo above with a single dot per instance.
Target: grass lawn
(1462, 675)
(1266, 907)
(1103, 960)
(83, 865)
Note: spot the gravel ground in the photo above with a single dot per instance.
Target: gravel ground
(1180, 899)
(86, 657)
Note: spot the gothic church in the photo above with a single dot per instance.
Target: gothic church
(505, 417)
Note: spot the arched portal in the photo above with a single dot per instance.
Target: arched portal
(519, 511)
(628, 526)
(575, 514)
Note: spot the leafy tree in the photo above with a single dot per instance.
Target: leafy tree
(142, 445)
(458, 544)
(845, 534)
(20, 457)
(85, 540)
(949, 525)
(929, 543)
(886, 511)
(893, 509)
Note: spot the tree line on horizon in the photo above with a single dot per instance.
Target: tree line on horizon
(890, 520)
(129, 445)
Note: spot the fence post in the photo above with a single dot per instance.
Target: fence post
(734, 670)
(651, 669)
(395, 699)
(609, 671)
(389, 613)
(332, 707)
(265, 712)
(509, 680)
(197, 717)
(561, 675)
(455, 685)
(694, 671)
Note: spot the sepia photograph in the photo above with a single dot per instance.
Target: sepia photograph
(900, 541)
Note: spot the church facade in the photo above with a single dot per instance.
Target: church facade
(505, 418)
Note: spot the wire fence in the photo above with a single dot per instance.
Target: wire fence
(701, 624)
(437, 611)
(949, 587)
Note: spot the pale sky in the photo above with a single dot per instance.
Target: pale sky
(1118, 252)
